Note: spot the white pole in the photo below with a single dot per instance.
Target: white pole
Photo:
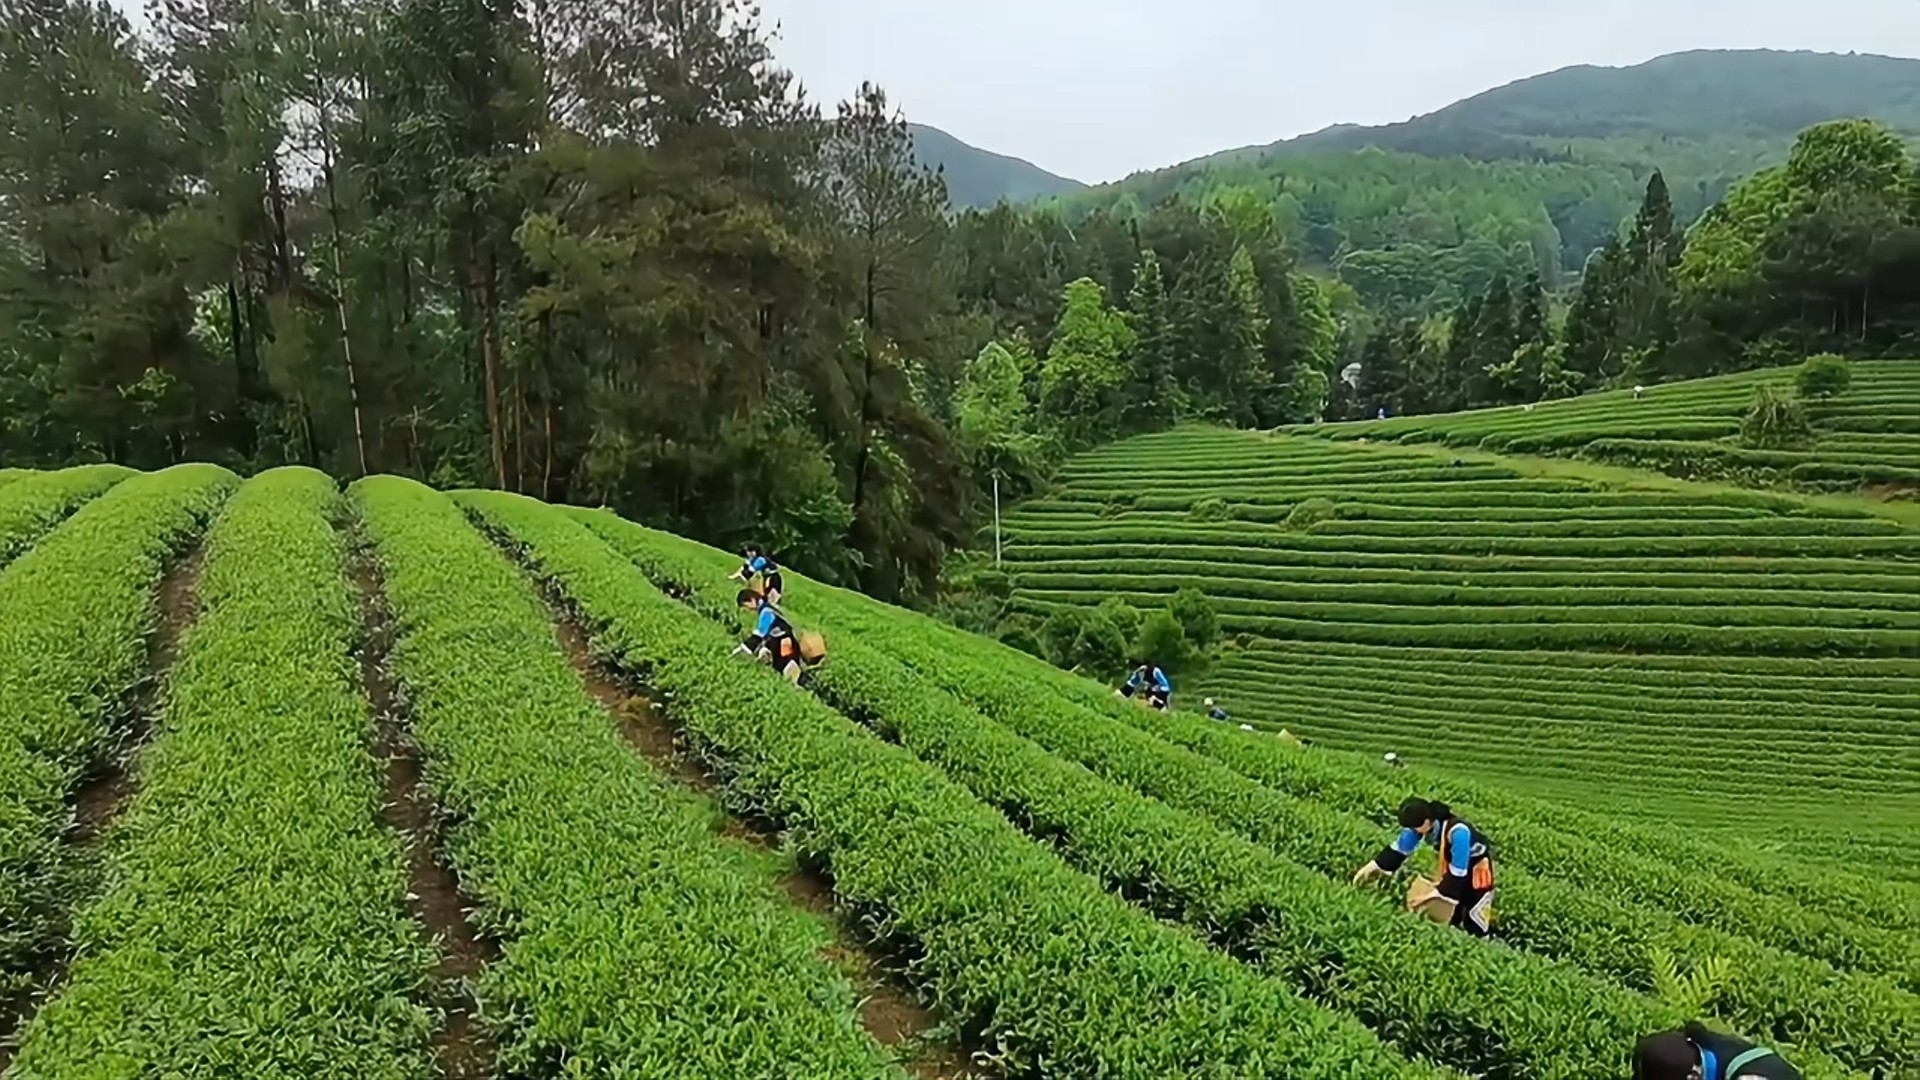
(996, 517)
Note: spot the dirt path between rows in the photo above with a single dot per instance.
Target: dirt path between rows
(888, 1009)
(103, 793)
(462, 1049)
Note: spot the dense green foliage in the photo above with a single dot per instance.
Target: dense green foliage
(42, 500)
(1077, 885)
(371, 236)
(1821, 254)
(1537, 174)
(73, 646)
(889, 670)
(1056, 974)
(634, 941)
(254, 924)
(1852, 426)
(1465, 613)
(979, 178)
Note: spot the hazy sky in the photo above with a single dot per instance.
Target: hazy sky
(1095, 89)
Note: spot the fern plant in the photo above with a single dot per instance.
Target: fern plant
(1695, 991)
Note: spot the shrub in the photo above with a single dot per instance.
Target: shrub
(1210, 509)
(1823, 376)
(1058, 635)
(1020, 636)
(1775, 422)
(1101, 648)
(1311, 512)
(1162, 640)
(1197, 618)
(1124, 616)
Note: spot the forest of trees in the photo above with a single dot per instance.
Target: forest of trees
(609, 253)
(1819, 255)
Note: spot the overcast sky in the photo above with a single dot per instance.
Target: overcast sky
(1096, 89)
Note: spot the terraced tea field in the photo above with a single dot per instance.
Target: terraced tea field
(396, 783)
(1713, 656)
(1866, 437)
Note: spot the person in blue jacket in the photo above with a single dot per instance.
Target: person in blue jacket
(1466, 861)
(1697, 1053)
(756, 563)
(773, 639)
(1153, 679)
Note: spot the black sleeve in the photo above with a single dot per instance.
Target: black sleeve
(753, 642)
(1389, 859)
(1456, 889)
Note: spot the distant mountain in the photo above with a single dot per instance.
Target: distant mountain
(1709, 94)
(977, 177)
(1535, 175)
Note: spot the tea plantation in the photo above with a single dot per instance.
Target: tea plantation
(395, 783)
(1710, 656)
(1866, 435)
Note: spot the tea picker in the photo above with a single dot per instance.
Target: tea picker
(1463, 897)
(756, 563)
(1697, 1053)
(775, 641)
(1150, 677)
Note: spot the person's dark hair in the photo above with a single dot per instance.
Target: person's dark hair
(747, 596)
(1668, 1055)
(1415, 812)
(752, 550)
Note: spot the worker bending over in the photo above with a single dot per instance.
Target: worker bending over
(1466, 862)
(756, 563)
(1150, 677)
(1215, 712)
(1695, 1053)
(773, 639)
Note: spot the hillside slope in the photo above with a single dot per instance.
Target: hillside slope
(1865, 436)
(531, 722)
(1696, 97)
(1558, 632)
(981, 178)
(1535, 175)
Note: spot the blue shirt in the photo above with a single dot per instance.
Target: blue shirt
(757, 564)
(764, 625)
(1158, 678)
(1459, 846)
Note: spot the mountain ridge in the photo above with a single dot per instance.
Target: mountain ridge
(978, 178)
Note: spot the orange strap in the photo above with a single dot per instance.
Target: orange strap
(1479, 871)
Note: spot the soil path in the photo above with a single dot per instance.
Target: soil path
(888, 1009)
(103, 792)
(461, 1046)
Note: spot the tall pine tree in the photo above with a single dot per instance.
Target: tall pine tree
(1152, 396)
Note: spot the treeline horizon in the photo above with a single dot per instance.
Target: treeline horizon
(614, 256)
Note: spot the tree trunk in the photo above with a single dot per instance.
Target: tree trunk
(243, 384)
(490, 352)
(306, 430)
(520, 415)
(546, 404)
(872, 300)
(282, 253)
(864, 454)
(546, 473)
(340, 302)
